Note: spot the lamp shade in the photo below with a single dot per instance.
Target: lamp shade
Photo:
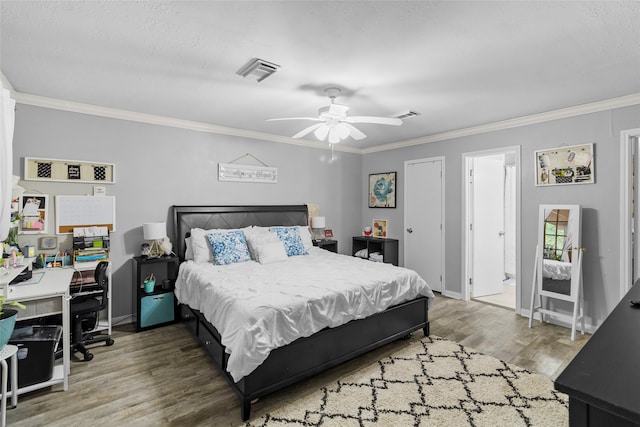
(318, 222)
(154, 230)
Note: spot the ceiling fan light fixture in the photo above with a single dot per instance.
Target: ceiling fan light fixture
(336, 124)
(321, 132)
(334, 138)
(342, 130)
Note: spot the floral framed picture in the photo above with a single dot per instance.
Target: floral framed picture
(565, 165)
(382, 190)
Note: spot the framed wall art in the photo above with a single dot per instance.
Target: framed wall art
(380, 228)
(565, 165)
(382, 190)
(34, 214)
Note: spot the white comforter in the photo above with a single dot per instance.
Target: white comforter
(260, 307)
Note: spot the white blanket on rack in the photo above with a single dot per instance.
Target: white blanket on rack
(556, 270)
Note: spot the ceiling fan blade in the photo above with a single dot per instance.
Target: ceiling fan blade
(305, 131)
(315, 119)
(355, 132)
(376, 120)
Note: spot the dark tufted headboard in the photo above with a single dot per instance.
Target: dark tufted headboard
(208, 217)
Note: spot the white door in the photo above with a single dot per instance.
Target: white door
(424, 226)
(488, 225)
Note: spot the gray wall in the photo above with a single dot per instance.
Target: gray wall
(158, 166)
(600, 201)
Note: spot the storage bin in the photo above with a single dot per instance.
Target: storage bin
(36, 352)
(157, 309)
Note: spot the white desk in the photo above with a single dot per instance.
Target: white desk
(49, 296)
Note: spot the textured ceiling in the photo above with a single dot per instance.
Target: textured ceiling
(459, 64)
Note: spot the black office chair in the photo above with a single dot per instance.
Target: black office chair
(84, 315)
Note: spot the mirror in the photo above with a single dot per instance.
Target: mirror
(558, 248)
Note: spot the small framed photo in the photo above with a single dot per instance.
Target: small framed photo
(382, 190)
(565, 165)
(380, 228)
(328, 233)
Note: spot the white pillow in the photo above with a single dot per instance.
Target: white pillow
(305, 234)
(268, 252)
(200, 246)
(257, 236)
(188, 253)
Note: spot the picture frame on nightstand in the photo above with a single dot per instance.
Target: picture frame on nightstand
(380, 228)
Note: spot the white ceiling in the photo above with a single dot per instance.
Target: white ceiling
(459, 64)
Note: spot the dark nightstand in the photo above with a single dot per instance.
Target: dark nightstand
(388, 248)
(158, 307)
(327, 244)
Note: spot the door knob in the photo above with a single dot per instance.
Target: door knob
(409, 230)
(501, 233)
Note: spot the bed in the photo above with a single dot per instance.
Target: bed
(278, 361)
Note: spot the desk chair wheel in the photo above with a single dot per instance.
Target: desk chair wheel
(88, 356)
(109, 342)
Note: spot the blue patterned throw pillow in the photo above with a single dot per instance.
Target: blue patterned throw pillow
(290, 236)
(229, 247)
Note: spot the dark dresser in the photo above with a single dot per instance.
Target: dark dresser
(603, 380)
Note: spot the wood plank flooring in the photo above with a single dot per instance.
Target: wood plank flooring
(163, 377)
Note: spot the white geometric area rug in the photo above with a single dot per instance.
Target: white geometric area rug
(432, 382)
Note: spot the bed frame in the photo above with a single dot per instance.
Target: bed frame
(305, 356)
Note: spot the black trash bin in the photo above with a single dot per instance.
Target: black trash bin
(36, 352)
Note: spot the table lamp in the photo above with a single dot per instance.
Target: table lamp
(318, 223)
(155, 231)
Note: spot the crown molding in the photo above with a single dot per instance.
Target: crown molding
(133, 116)
(115, 113)
(578, 110)
(6, 83)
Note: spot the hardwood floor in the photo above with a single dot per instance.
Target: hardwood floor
(163, 377)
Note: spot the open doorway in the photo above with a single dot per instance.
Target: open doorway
(492, 212)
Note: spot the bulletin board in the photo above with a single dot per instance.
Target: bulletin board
(85, 211)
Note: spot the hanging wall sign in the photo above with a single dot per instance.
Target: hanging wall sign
(247, 173)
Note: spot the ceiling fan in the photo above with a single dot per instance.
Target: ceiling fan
(335, 123)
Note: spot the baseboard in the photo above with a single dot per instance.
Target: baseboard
(129, 318)
(589, 327)
(456, 295)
